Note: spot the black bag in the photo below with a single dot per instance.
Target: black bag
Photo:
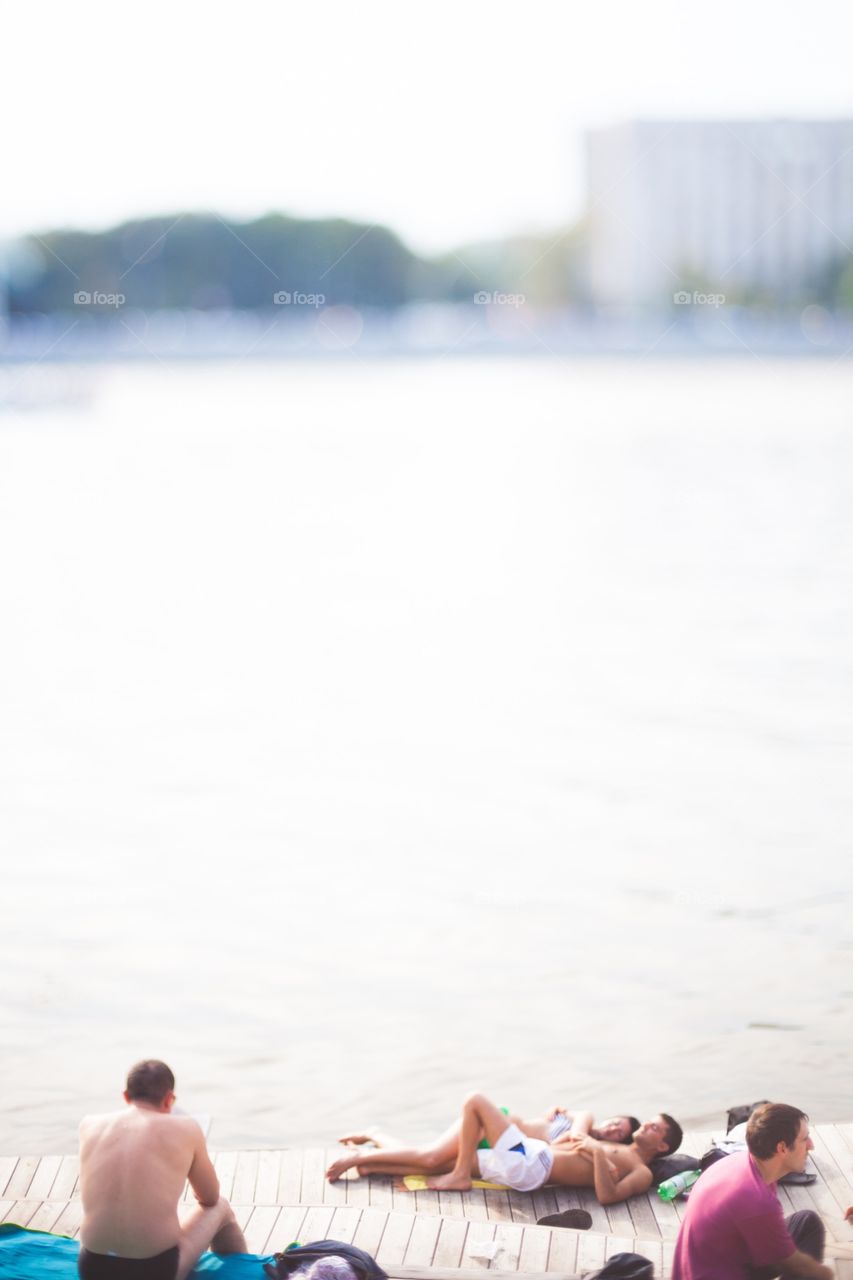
(300, 1255)
(737, 1115)
(626, 1266)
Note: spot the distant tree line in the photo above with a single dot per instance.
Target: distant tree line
(202, 261)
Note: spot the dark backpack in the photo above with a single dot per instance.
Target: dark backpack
(737, 1115)
(626, 1266)
(300, 1255)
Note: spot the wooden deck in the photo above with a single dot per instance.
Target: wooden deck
(280, 1196)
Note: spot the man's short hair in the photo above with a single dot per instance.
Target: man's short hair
(771, 1124)
(149, 1081)
(635, 1124)
(674, 1133)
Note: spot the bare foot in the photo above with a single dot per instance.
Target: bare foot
(450, 1182)
(337, 1167)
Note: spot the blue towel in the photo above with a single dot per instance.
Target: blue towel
(31, 1255)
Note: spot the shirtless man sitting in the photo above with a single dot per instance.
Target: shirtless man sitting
(133, 1166)
(515, 1160)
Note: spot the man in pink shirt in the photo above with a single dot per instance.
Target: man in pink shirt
(734, 1228)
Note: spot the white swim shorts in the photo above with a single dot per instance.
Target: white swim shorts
(516, 1161)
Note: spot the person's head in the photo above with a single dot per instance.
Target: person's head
(660, 1136)
(775, 1129)
(617, 1129)
(151, 1083)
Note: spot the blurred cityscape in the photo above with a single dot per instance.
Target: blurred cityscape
(721, 236)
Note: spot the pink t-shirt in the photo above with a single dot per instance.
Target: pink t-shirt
(733, 1221)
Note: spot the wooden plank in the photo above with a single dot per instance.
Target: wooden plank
(5, 1206)
(358, 1192)
(621, 1222)
(422, 1242)
(7, 1168)
(479, 1233)
(651, 1249)
(245, 1177)
(830, 1173)
(345, 1220)
(44, 1177)
(643, 1217)
(395, 1240)
(318, 1219)
(266, 1187)
(600, 1220)
(450, 1204)
(498, 1206)
(521, 1207)
(510, 1237)
(535, 1249)
(19, 1183)
(260, 1226)
(369, 1231)
(21, 1212)
(668, 1250)
(591, 1251)
(46, 1215)
(667, 1219)
(287, 1229)
(313, 1176)
(451, 1242)
(290, 1178)
(544, 1202)
(381, 1194)
(68, 1222)
(618, 1244)
(332, 1192)
(225, 1163)
(473, 1203)
(563, 1251)
(426, 1203)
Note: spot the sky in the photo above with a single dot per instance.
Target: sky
(449, 122)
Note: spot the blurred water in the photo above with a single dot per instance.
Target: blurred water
(376, 731)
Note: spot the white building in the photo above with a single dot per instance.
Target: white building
(723, 205)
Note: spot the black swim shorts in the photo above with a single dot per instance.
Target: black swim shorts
(108, 1266)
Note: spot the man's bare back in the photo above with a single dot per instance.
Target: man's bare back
(133, 1166)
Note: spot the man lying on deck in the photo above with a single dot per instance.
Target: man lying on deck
(523, 1163)
(133, 1166)
(557, 1125)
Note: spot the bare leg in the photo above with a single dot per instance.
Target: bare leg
(213, 1225)
(479, 1117)
(396, 1159)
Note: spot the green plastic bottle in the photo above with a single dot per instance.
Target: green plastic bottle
(674, 1186)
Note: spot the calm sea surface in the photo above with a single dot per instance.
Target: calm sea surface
(374, 731)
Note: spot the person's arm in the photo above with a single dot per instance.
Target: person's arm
(610, 1191)
(581, 1122)
(803, 1265)
(202, 1175)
